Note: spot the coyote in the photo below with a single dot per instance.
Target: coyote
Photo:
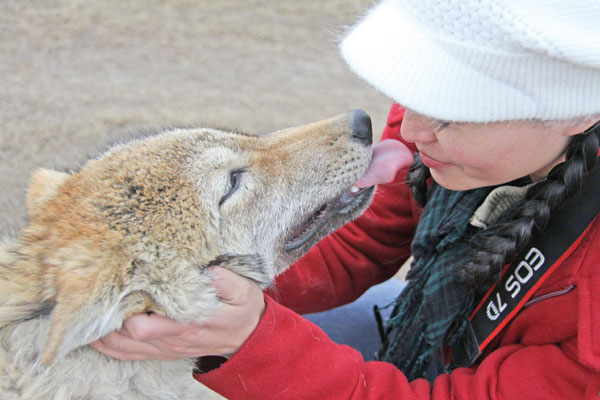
(136, 230)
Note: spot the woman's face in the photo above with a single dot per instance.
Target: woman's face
(464, 156)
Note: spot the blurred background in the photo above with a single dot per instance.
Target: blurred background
(77, 75)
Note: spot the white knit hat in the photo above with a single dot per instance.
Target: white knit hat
(482, 60)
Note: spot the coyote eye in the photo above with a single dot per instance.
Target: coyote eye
(234, 182)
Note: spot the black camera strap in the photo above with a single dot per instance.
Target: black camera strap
(522, 278)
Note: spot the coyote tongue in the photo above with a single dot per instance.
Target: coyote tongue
(389, 156)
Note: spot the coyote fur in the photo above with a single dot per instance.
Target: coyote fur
(136, 230)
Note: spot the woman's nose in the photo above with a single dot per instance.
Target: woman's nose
(417, 128)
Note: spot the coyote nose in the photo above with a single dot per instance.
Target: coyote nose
(361, 126)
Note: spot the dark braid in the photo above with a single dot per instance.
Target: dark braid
(500, 244)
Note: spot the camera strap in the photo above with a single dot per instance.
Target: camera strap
(521, 279)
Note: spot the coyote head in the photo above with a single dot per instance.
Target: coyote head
(137, 228)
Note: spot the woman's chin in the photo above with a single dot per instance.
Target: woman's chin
(456, 182)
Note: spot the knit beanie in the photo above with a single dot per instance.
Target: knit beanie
(482, 60)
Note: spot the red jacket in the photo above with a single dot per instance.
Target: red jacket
(550, 350)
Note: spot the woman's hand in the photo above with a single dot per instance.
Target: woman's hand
(152, 336)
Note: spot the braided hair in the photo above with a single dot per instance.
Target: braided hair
(508, 238)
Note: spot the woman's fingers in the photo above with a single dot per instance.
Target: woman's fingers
(232, 288)
(122, 347)
(146, 327)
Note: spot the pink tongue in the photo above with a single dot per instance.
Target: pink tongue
(389, 156)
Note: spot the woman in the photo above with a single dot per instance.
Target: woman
(501, 104)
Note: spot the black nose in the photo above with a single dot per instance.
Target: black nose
(361, 126)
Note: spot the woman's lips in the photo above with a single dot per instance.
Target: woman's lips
(432, 162)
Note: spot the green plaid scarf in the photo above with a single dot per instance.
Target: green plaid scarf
(433, 308)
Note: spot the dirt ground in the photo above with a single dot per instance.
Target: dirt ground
(77, 75)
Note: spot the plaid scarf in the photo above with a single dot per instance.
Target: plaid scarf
(433, 308)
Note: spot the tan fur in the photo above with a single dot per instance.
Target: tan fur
(136, 229)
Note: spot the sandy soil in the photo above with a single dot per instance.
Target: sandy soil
(77, 75)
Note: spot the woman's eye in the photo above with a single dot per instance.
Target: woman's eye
(234, 183)
(438, 125)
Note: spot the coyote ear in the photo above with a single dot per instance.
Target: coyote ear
(74, 327)
(88, 307)
(43, 186)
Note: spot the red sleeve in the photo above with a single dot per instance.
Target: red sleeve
(362, 253)
(288, 357)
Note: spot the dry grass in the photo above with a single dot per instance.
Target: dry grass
(78, 74)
